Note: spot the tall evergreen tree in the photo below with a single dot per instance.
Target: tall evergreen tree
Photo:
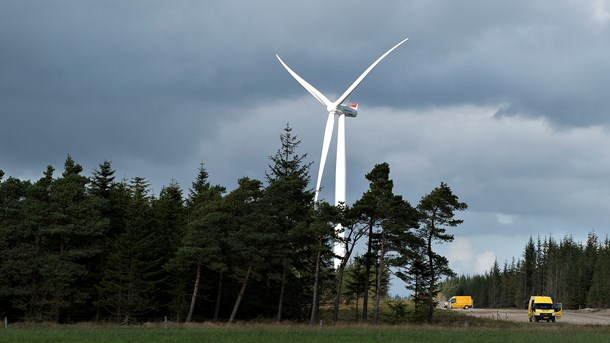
(36, 217)
(289, 203)
(129, 288)
(77, 227)
(16, 248)
(370, 211)
(204, 244)
(437, 211)
(170, 220)
(599, 293)
(113, 198)
(528, 270)
(113, 195)
(495, 290)
(250, 238)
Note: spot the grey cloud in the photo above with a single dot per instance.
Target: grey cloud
(158, 87)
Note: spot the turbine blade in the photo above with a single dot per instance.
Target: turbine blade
(328, 134)
(359, 79)
(311, 89)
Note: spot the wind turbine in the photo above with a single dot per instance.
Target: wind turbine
(336, 108)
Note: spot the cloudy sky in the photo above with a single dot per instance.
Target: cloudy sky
(507, 102)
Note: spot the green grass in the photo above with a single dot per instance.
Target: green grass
(302, 333)
(448, 326)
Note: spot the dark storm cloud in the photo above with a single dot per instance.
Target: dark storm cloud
(158, 87)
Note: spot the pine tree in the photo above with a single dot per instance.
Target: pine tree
(437, 211)
(389, 221)
(370, 211)
(353, 231)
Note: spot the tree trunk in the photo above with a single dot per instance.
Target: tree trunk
(189, 317)
(367, 275)
(432, 276)
(357, 312)
(241, 291)
(218, 296)
(379, 276)
(340, 274)
(314, 303)
(282, 289)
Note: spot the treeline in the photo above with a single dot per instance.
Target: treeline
(574, 273)
(78, 248)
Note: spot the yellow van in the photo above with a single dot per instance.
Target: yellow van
(459, 301)
(541, 307)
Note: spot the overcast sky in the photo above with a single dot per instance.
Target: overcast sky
(507, 102)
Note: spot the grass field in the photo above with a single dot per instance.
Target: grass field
(448, 326)
(501, 332)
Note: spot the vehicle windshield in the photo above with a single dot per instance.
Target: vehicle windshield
(543, 306)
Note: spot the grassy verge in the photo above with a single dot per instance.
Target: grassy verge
(458, 331)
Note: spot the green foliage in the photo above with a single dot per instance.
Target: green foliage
(388, 221)
(129, 288)
(436, 214)
(288, 204)
(76, 248)
(400, 309)
(573, 273)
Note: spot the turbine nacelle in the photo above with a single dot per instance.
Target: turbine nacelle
(348, 110)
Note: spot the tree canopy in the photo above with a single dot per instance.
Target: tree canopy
(81, 248)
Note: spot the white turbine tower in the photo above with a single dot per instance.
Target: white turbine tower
(336, 108)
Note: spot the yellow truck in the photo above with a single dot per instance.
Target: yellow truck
(541, 307)
(459, 301)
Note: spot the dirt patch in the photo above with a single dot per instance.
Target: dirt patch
(584, 316)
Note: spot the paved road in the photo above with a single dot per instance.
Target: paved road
(586, 316)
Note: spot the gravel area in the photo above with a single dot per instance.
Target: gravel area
(584, 316)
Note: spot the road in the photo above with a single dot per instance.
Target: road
(585, 316)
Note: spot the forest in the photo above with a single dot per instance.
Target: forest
(573, 273)
(79, 248)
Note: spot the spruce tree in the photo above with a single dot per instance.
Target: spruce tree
(170, 220)
(250, 238)
(288, 202)
(528, 271)
(203, 244)
(76, 228)
(129, 288)
(599, 293)
(36, 217)
(16, 248)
